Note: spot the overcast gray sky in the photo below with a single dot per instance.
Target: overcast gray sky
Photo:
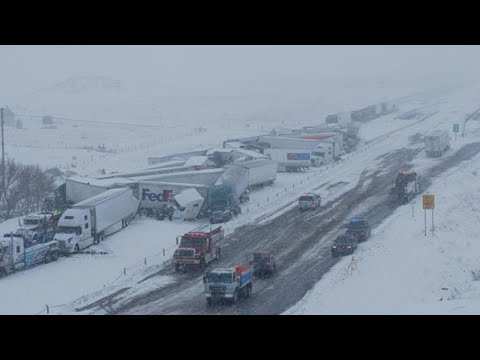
(237, 69)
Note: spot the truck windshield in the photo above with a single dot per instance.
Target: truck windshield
(31, 221)
(186, 241)
(220, 278)
(69, 229)
(306, 198)
(218, 205)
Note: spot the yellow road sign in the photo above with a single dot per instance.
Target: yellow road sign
(428, 202)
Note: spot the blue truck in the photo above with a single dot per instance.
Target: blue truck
(222, 204)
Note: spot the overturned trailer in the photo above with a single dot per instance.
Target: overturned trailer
(188, 204)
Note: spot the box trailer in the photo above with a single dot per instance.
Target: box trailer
(436, 143)
(259, 172)
(237, 178)
(282, 142)
(80, 188)
(290, 159)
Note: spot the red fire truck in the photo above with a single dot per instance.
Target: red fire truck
(197, 248)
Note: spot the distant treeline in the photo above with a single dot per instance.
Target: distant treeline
(23, 189)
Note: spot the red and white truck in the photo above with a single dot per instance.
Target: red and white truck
(198, 248)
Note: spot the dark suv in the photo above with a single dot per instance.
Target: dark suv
(358, 227)
(344, 245)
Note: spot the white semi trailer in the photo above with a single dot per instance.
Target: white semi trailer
(436, 143)
(259, 172)
(290, 159)
(90, 220)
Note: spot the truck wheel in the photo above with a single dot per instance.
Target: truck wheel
(48, 258)
(54, 255)
(235, 297)
(3, 273)
(77, 248)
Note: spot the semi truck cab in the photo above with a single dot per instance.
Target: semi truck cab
(228, 283)
(198, 248)
(74, 230)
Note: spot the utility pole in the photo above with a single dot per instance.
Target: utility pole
(3, 156)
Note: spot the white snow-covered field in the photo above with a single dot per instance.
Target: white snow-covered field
(89, 277)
